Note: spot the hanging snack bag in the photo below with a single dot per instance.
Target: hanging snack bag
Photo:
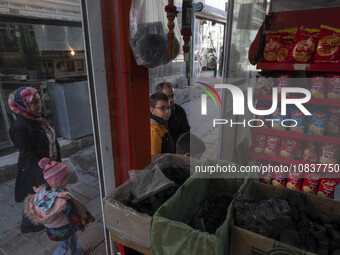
(288, 147)
(277, 124)
(304, 45)
(311, 183)
(277, 45)
(318, 86)
(333, 89)
(272, 146)
(283, 80)
(327, 50)
(279, 179)
(294, 180)
(299, 117)
(317, 123)
(328, 153)
(259, 142)
(310, 152)
(265, 83)
(327, 187)
(333, 122)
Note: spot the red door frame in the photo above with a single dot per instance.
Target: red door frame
(128, 92)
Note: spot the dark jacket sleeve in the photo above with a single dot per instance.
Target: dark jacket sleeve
(21, 137)
(185, 126)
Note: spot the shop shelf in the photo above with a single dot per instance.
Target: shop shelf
(300, 136)
(282, 160)
(313, 101)
(299, 67)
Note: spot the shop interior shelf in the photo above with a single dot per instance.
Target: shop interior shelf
(283, 160)
(299, 67)
(313, 101)
(300, 136)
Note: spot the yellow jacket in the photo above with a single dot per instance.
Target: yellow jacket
(161, 140)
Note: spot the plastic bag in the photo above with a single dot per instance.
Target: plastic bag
(145, 183)
(149, 33)
(73, 172)
(267, 217)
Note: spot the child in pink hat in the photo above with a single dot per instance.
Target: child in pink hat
(57, 209)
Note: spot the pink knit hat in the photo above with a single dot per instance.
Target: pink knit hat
(53, 171)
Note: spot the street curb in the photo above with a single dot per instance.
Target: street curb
(8, 165)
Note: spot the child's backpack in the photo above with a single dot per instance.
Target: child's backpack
(76, 223)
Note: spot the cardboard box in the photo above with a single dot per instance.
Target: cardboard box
(245, 242)
(127, 223)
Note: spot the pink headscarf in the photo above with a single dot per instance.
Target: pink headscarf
(19, 102)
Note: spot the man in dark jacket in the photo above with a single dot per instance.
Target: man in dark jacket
(178, 121)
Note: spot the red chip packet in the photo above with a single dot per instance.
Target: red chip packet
(277, 45)
(327, 50)
(304, 45)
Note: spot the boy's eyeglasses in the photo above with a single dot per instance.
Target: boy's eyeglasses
(163, 108)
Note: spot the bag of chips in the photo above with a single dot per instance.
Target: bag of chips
(277, 45)
(297, 115)
(304, 45)
(283, 80)
(318, 85)
(259, 142)
(265, 83)
(311, 183)
(333, 89)
(333, 122)
(272, 146)
(288, 146)
(327, 187)
(327, 50)
(294, 180)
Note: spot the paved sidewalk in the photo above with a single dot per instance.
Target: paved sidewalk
(12, 242)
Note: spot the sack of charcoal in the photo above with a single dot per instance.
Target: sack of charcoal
(196, 219)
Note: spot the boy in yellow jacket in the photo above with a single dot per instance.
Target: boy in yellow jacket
(161, 140)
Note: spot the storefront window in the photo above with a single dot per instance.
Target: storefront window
(208, 49)
(247, 19)
(33, 55)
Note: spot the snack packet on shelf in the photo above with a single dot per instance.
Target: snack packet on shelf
(317, 122)
(277, 124)
(311, 183)
(327, 187)
(328, 154)
(304, 45)
(333, 88)
(299, 117)
(283, 80)
(318, 85)
(327, 50)
(294, 181)
(279, 179)
(288, 146)
(310, 152)
(333, 122)
(258, 142)
(265, 83)
(277, 45)
(272, 146)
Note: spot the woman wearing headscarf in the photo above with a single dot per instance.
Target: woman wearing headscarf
(35, 139)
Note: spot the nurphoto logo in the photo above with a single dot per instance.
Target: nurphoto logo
(239, 102)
